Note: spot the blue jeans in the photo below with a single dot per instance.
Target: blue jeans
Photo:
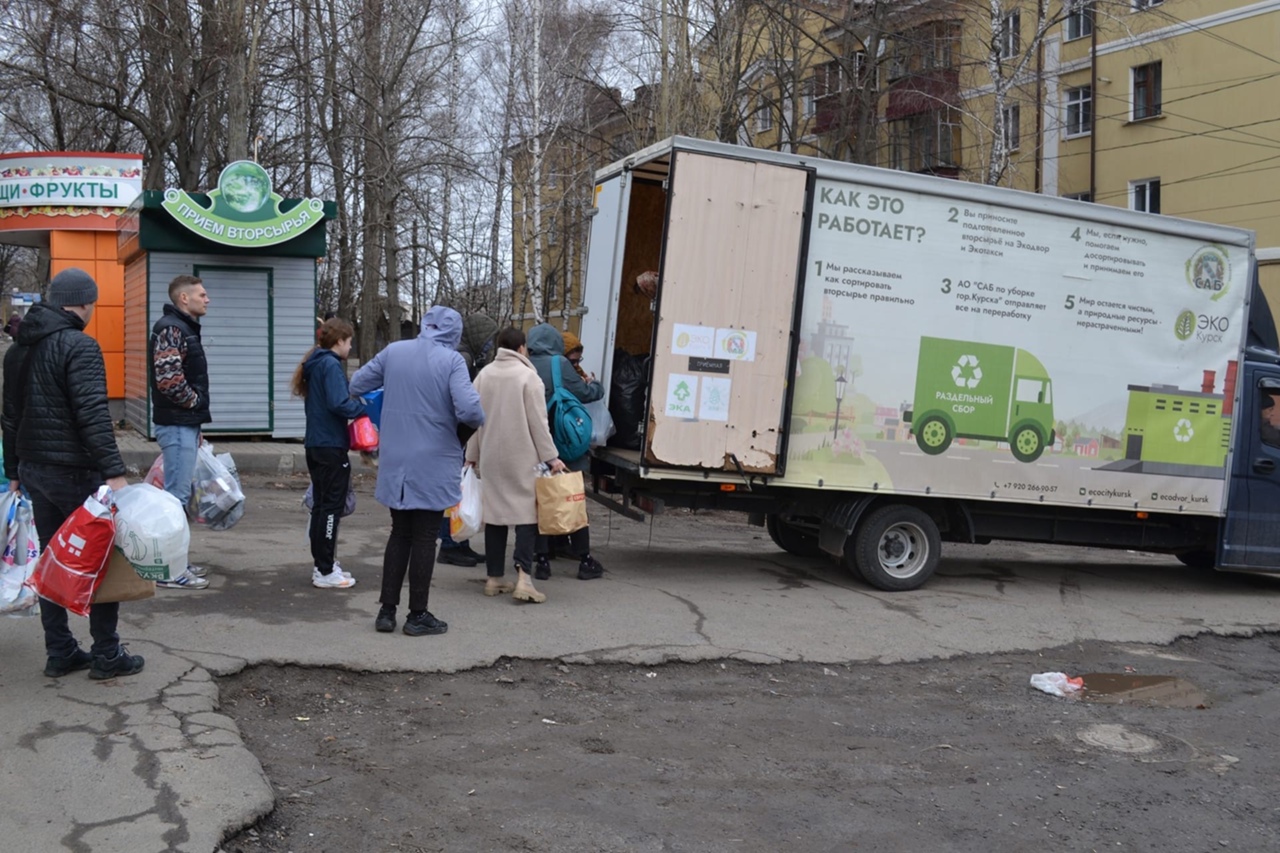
(178, 445)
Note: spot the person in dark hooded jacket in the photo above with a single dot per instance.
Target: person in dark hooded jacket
(321, 380)
(546, 349)
(59, 444)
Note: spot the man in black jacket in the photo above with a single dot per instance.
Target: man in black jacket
(180, 397)
(59, 444)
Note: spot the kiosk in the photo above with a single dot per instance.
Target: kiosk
(257, 255)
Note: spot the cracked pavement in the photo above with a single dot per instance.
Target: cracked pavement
(148, 763)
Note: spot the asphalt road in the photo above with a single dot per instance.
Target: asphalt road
(152, 763)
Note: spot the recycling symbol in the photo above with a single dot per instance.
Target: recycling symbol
(1182, 430)
(966, 373)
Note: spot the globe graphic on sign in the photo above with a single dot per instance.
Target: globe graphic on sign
(245, 186)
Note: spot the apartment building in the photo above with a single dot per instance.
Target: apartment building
(1165, 106)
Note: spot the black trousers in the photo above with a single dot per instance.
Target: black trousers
(330, 470)
(56, 492)
(579, 543)
(495, 547)
(411, 548)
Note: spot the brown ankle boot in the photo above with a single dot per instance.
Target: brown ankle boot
(524, 590)
(498, 586)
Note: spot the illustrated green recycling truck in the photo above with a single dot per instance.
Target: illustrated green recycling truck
(967, 389)
(869, 363)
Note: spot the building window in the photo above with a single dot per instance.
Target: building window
(1012, 122)
(1145, 195)
(1085, 196)
(1146, 91)
(1080, 19)
(1009, 40)
(764, 117)
(1079, 111)
(1145, 4)
(925, 142)
(807, 107)
(553, 235)
(865, 75)
(828, 79)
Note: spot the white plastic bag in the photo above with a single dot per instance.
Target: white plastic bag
(216, 498)
(21, 550)
(1056, 683)
(152, 531)
(602, 427)
(466, 519)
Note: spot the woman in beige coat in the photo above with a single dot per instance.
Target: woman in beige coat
(507, 451)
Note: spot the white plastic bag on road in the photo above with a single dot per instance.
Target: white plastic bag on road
(152, 531)
(1057, 683)
(466, 519)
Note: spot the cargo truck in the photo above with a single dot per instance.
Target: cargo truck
(870, 363)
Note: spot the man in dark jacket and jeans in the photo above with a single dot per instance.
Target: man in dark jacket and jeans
(59, 444)
(180, 397)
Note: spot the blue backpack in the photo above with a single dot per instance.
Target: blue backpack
(570, 421)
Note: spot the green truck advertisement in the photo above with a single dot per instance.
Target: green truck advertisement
(972, 390)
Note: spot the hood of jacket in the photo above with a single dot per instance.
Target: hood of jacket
(443, 326)
(315, 358)
(43, 320)
(478, 331)
(545, 339)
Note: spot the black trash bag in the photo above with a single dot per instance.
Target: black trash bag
(627, 388)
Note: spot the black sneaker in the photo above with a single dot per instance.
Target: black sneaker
(421, 624)
(541, 568)
(74, 662)
(590, 569)
(122, 664)
(386, 621)
(466, 549)
(456, 557)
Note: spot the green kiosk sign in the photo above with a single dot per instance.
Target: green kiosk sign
(243, 211)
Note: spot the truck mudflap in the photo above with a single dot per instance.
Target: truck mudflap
(839, 522)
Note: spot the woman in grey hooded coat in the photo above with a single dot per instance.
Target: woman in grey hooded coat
(427, 393)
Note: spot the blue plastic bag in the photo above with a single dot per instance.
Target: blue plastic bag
(373, 406)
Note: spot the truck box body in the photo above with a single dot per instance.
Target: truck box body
(835, 328)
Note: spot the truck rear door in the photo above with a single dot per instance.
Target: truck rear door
(728, 296)
(604, 265)
(1251, 533)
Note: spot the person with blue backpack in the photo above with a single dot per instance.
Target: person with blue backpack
(567, 393)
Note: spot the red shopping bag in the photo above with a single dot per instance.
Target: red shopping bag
(72, 565)
(363, 434)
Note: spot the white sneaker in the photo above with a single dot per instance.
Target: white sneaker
(197, 571)
(186, 580)
(334, 580)
(337, 567)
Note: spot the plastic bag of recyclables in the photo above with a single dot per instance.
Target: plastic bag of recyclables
(152, 531)
(216, 498)
(21, 550)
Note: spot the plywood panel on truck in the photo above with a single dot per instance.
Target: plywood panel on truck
(728, 290)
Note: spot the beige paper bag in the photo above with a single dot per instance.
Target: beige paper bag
(562, 503)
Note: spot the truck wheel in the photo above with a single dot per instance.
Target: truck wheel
(791, 537)
(896, 548)
(933, 436)
(1026, 444)
(1198, 559)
